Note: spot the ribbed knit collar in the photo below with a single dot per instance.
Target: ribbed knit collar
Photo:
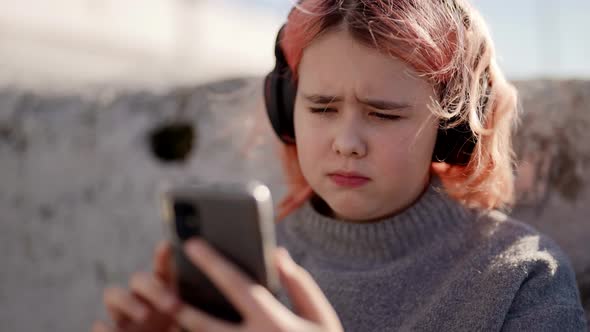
(432, 217)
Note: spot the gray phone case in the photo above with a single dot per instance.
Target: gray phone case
(237, 220)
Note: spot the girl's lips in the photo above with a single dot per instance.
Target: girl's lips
(348, 181)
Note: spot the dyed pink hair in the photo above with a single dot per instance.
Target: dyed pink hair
(446, 42)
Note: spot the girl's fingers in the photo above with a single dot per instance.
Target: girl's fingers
(121, 304)
(162, 262)
(154, 291)
(307, 297)
(192, 319)
(249, 297)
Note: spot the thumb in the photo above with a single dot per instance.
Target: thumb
(307, 297)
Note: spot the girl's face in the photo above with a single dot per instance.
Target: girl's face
(359, 112)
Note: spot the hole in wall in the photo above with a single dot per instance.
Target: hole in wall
(172, 142)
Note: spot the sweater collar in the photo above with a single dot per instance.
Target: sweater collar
(433, 216)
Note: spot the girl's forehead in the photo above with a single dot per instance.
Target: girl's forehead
(336, 62)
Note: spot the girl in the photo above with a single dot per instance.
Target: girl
(396, 123)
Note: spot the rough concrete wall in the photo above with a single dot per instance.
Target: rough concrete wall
(553, 148)
(79, 174)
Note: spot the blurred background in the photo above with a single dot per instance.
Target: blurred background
(168, 42)
(101, 100)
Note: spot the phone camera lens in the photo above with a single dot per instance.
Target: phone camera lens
(186, 218)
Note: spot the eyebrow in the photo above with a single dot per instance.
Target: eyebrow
(375, 103)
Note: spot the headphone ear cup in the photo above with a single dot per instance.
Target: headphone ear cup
(279, 96)
(270, 100)
(279, 100)
(287, 109)
(454, 145)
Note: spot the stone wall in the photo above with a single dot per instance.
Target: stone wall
(80, 172)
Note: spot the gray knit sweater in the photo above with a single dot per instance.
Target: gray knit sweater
(436, 267)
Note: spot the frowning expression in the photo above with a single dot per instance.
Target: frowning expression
(365, 134)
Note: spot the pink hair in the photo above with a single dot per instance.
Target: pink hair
(447, 43)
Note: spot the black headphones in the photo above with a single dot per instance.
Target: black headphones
(453, 146)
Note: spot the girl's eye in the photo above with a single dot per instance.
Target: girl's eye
(385, 116)
(321, 109)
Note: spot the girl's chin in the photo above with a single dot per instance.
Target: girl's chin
(349, 212)
(346, 206)
(338, 209)
(358, 213)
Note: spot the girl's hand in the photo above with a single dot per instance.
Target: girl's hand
(142, 308)
(260, 309)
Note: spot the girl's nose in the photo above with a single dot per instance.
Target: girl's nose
(348, 142)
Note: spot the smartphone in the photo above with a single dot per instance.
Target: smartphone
(234, 218)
